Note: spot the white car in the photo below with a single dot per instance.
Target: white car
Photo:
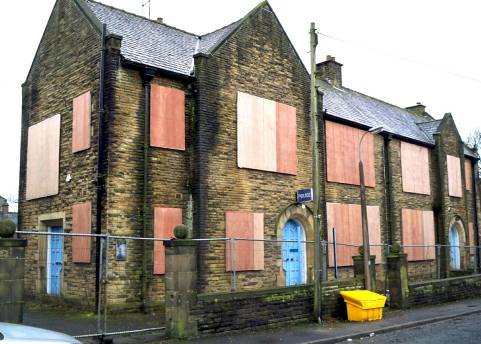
(20, 334)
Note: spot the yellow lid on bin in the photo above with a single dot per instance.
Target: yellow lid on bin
(364, 299)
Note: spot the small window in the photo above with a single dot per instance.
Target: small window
(415, 169)
(167, 117)
(454, 176)
(346, 220)
(418, 230)
(81, 122)
(81, 223)
(342, 150)
(249, 254)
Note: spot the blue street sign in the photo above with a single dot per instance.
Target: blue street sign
(304, 195)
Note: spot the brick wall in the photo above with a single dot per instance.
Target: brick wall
(65, 66)
(257, 59)
(268, 308)
(444, 290)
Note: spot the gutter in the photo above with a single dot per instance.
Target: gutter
(147, 76)
(99, 180)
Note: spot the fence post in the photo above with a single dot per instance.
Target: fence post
(334, 250)
(99, 305)
(180, 285)
(233, 264)
(324, 260)
(438, 261)
(12, 262)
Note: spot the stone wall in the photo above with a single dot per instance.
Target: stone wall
(444, 290)
(267, 308)
(65, 66)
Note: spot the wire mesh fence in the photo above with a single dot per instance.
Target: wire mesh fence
(92, 285)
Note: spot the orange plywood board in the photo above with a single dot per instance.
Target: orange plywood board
(165, 220)
(342, 148)
(286, 139)
(418, 229)
(43, 150)
(81, 122)
(167, 117)
(249, 254)
(347, 220)
(81, 223)
(415, 168)
(467, 173)
(454, 176)
(472, 242)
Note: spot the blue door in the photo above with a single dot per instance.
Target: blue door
(55, 257)
(293, 255)
(454, 242)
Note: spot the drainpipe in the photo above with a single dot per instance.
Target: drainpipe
(99, 179)
(147, 77)
(387, 189)
(474, 184)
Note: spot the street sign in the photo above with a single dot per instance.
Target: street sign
(304, 195)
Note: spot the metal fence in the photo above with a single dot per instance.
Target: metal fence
(62, 284)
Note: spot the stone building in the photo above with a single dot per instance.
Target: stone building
(5, 212)
(139, 126)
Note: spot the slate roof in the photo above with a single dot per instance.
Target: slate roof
(430, 127)
(356, 107)
(155, 44)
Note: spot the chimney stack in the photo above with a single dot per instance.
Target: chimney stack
(330, 70)
(160, 20)
(420, 111)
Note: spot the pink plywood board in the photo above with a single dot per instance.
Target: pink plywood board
(167, 117)
(286, 139)
(268, 146)
(467, 173)
(428, 233)
(472, 242)
(374, 225)
(249, 255)
(43, 150)
(342, 144)
(81, 122)
(454, 176)
(165, 219)
(415, 168)
(81, 223)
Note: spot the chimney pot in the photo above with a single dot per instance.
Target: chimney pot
(330, 58)
(160, 20)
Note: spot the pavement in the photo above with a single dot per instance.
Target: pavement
(329, 331)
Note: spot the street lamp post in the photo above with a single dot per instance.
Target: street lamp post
(365, 228)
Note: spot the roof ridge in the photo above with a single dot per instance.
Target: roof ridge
(142, 17)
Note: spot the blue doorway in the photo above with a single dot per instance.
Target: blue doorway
(54, 261)
(294, 253)
(455, 252)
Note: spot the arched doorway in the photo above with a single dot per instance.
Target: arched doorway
(294, 253)
(455, 252)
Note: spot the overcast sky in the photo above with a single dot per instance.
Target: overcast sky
(402, 52)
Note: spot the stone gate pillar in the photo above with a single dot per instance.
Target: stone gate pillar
(12, 267)
(397, 275)
(180, 286)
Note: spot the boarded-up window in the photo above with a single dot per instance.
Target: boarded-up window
(81, 122)
(43, 158)
(165, 219)
(454, 176)
(418, 234)
(342, 145)
(415, 169)
(346, 219)
(249, 254)
(467, 173)
(472, 241)
(81, 223)
(266, 135)
(167, 117)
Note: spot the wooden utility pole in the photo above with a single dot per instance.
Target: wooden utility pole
(315, 178)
